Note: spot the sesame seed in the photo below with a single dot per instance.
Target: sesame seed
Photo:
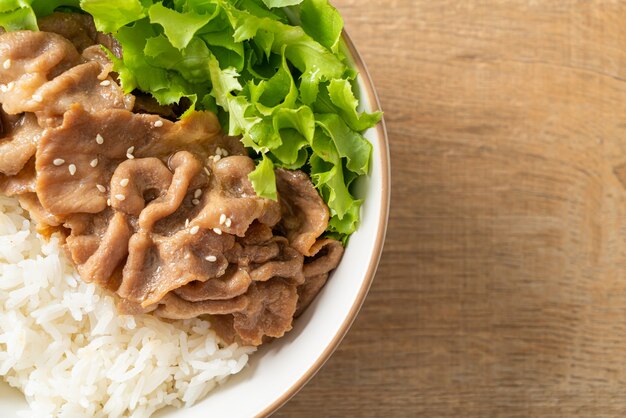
(37, 98)
(197, 193)
(120, 197)
(6, 64)
(195, 202)
(105, 83)
(72, 169)
(217, 158)
(158, 123)
(186, 223)
(206, 170)
(222, 219)
(94, 163)
(211, 258)
(130, 150)
(130, 156)
(217, 231)
(224, 153)
(58, 162)
(194, 230)
(124, 182)
(229, 222)
(218, 151)
(101, 188)
(108, 202)
(99, 139)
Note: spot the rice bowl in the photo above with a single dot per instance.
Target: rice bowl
(123, 363)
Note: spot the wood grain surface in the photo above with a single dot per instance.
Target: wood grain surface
(502, 290)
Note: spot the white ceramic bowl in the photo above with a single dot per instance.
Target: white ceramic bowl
(278, 370)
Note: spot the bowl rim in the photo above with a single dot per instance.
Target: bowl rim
(369, 91)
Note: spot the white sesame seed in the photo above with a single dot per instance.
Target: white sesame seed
(6, 64)
(195, 202)
(217, 158)
(130, 156)
(211, 259)
(38, 98)
(58, 162)
(206, 170)
(197, 193)
(224, 153)
(99, 139)
(72, 169)
(124, 182)
(108, 202)
(94, 163)
(105, 83)
(158, 123)
(120, 197)
(217, 231)
(218, 151)
(186, 223)
(130, 150)
(222, 219)
(228, 222)
(194, 230)
(101, 188)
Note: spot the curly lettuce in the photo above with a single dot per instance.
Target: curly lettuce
(285, 88)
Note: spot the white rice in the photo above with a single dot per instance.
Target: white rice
(65, 347)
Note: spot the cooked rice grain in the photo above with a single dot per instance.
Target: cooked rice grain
(65, 347)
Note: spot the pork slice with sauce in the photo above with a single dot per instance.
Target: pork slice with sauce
(29, 60)
(162, 213)
(304, 215)
(83, 153)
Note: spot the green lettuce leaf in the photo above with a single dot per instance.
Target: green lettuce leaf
(260, 9)
(190, 62)
(348, 144)
(179, 28)
(264, 180)
(342, 97)
(322, 22)
(281, 3)
(135, 71)
(296, 128)
(349, 223)
(228, 52)
(316, 63)
(110, 15)
(225, 82)
(278, 92)
(12, 5)
(19, 19)
(328, 179)
(327, 172)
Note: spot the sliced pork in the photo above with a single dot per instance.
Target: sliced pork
(304, 214)
(157, 210)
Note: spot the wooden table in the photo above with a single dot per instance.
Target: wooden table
(502, 290)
